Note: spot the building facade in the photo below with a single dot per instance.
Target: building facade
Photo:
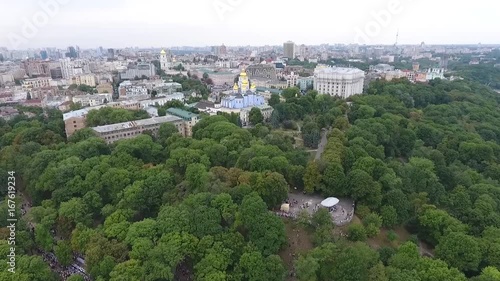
(93, 100)
(244, 94)
(161, 100)
(338, 81)
(33, 83)
(86, 79)
(127, 130)
(292, 80)
(128, 89)
(190, 119)
(289, 49)
(164, 61)
(139, 70)
(266, 71)
(75, 120)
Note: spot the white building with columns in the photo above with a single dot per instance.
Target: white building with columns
(338, 81)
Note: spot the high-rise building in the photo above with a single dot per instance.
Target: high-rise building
(43, 55)
(222, 50)
(111, 54)
(289, 49)
(71, 52)
(66, 68)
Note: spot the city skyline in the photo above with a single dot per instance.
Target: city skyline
(116, 24)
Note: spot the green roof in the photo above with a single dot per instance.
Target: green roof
(273, 91)
(181, 113)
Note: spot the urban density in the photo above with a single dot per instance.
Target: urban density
(254, 154)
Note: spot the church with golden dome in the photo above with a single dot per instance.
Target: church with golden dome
(244, 94)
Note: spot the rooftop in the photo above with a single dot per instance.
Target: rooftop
(338, 70)
(134, 124)
(181, 113)
(271, 90)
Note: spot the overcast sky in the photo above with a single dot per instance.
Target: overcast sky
(157, 23)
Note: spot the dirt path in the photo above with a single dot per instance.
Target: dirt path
(299, 242)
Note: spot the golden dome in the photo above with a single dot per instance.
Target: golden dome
(243, 72)
(163, 52)
(252, 86)
(235, 86)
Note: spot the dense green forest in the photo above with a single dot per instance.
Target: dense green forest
(426, 157)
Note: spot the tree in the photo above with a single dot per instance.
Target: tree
(333, 180)
(130, 270)
(488, 274)
(311, 134)
(364, 189)
(290, 93)
(274, 99)
(356, 232)
(166, 130)
(377, 273)
(389, 216)
(205, 76)
(255, 116)
(85, 88)
(75, 210)
(459, 250)
(354, 263)
(63, 252)
(196, 175)
(272, 188)
(306, 267)
(312, 177)
(43, 238)
(372, 223)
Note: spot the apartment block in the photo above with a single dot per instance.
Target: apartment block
(128, 130)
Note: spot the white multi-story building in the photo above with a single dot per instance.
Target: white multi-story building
(434, 73)
(338, 81)
(66, 68)
(93, 100)
(161, 100)
(128, 89)
(292, 79)
(139, 70)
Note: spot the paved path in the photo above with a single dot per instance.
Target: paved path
(322, 144)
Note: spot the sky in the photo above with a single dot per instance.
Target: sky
(155, 23)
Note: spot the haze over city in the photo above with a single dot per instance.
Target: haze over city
(249, 140)
(149, 23)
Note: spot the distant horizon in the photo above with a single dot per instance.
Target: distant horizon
(255, 46)
(33, 24)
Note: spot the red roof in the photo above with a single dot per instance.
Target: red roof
(33, 101)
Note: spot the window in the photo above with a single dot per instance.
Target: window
(74, 126)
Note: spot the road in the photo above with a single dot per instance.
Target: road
(322, 144)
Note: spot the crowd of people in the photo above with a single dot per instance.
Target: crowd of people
(63, 271)
(24, 208)
(286, 215)
(340, 216)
